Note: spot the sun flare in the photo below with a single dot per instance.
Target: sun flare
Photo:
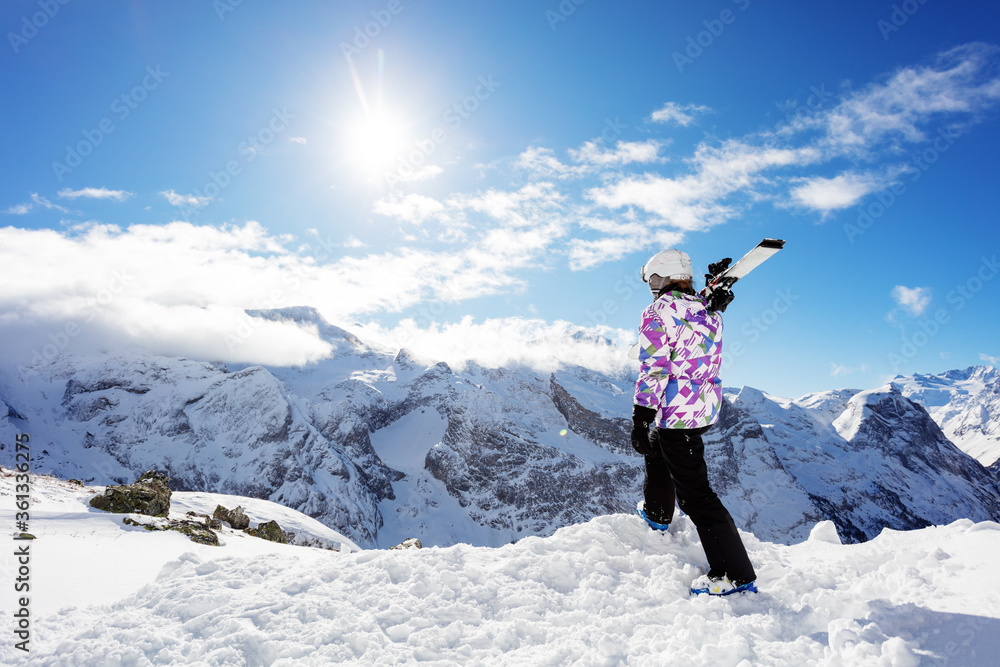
(377, 142)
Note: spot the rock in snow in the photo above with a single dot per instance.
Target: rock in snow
(149, 495)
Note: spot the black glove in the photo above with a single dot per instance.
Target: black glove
(717, 268)
(719, 300)
(642, 419)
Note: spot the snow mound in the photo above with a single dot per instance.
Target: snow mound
(606, 592)
(825, 531)
(83, 556)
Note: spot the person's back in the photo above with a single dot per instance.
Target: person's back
(680, 352)
(679, 391)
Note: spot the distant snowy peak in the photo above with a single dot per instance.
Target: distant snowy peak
(881, 462)
(307, 315)
(584, 336)
(751, 396)
(986, 374)
(866, 405)
(826, 406)
(965, 404)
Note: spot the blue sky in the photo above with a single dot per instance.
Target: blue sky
(482, 178)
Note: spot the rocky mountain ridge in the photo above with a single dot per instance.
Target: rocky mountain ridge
(965, 403)
(383, 446)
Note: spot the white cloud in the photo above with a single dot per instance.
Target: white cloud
(721, 180)
(724, 179)
(697, 200)
(409, 208)
(533, 205)
(415, 174)
(42, 201)
(543, 162)
(544, 346)
(682, 114)
(298, 140)
(830, 194)
(623, 153)
(95, 193)
(36, 200)
(194, 201)
(993, 361)
(622, 239)
(913, 300)
(183, 289)
(960, 82)
(591, 156)
(837, 370)
(586, 254)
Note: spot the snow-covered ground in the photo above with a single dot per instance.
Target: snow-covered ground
(606, 592)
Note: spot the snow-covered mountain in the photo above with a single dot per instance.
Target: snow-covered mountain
(965, 404)
(382, 446)
(867, 460)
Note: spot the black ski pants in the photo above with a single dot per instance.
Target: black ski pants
(678, 471)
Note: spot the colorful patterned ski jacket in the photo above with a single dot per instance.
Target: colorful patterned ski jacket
(680, 352)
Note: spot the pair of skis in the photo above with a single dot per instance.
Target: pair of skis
(722, 276)
(728, 275)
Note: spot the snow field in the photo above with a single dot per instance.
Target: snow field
(606, 592)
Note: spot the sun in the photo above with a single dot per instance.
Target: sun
(377, 141)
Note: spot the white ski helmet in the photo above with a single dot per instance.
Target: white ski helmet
(669, 264)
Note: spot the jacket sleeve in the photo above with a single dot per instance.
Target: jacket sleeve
(656, 334)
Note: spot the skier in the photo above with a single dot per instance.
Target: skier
(679, 392)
